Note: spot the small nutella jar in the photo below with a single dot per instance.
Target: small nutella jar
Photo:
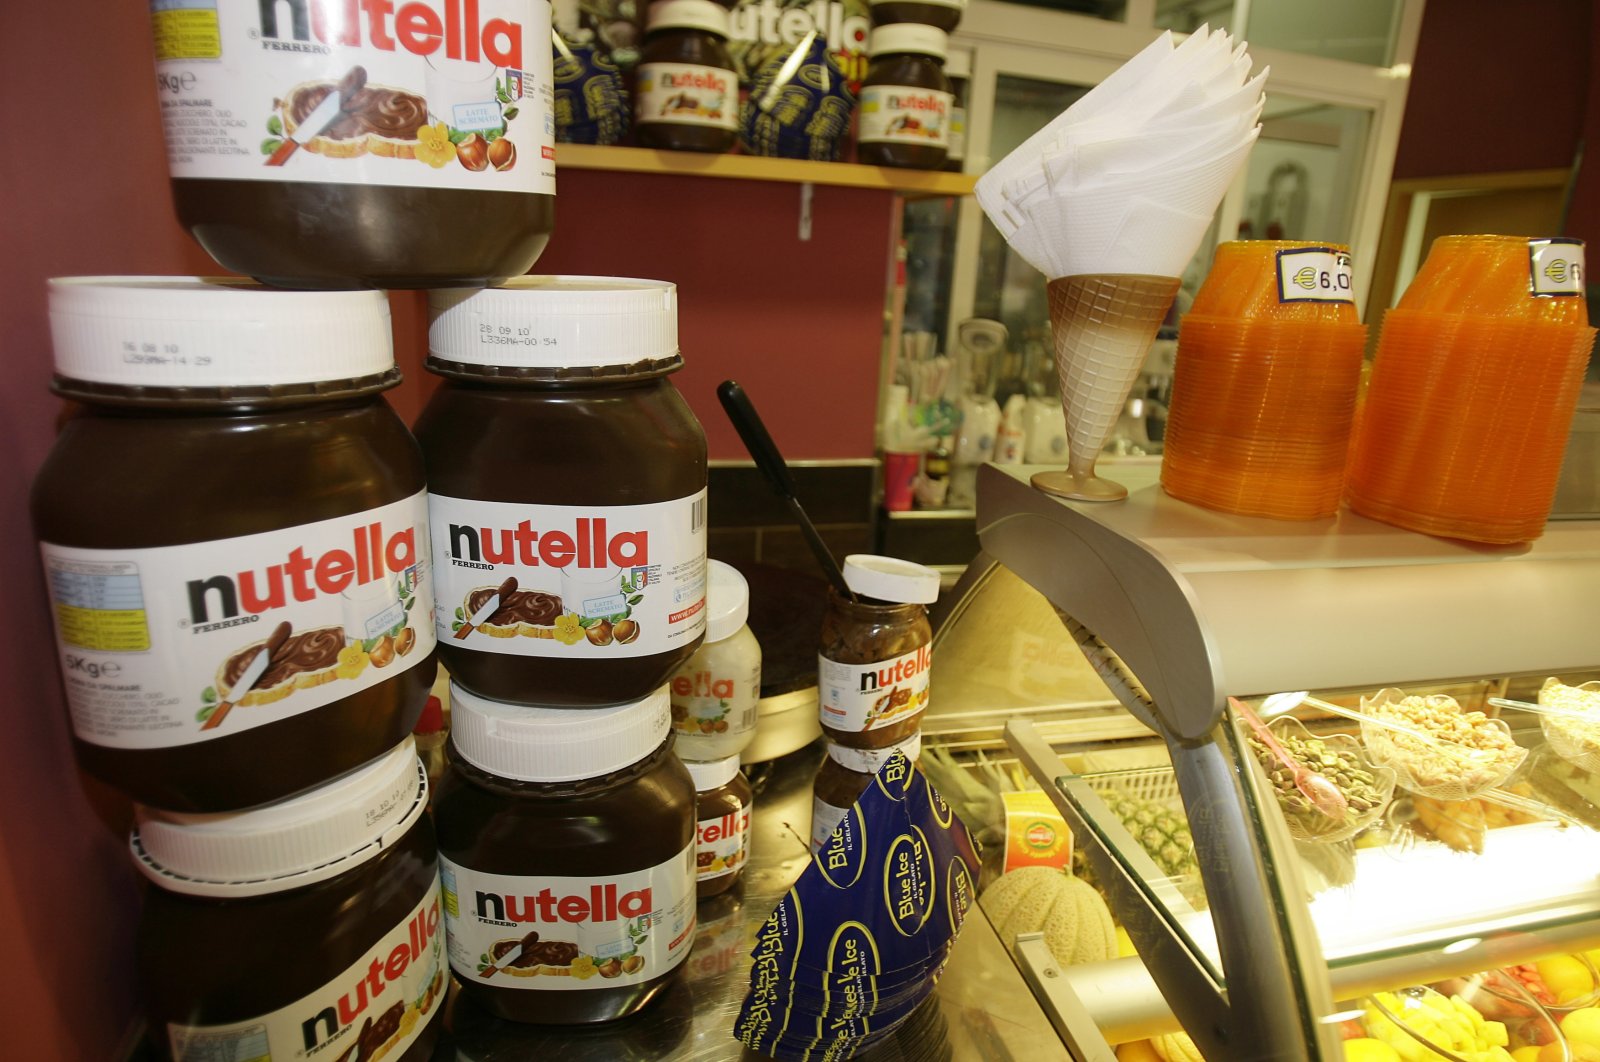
(941, 14)
(306, 928)
(687, 93)
(568, 483)
(234, 536)
(876, 652)
(567, 854)
(905, 104)
(346, 145)
(722, 836)
(715, 695)
(843, 777)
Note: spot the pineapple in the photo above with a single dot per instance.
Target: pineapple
(1162, 832)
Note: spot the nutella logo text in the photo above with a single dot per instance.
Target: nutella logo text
(303, 577)
(418, 28)
(700, 80)
(604, 903)
(589, 545)
(383, 971)
(934, 103)
(898, 671)
(733, 824)
(702, 684)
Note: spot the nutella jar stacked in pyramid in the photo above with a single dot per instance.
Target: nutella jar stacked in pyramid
(873, 667)
(234, 538)
(567, 516)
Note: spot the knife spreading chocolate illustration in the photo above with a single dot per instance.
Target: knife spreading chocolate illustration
(335, 103)
(488, 608)
(252, 674)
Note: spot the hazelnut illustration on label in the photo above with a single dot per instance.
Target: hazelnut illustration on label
(613, 581)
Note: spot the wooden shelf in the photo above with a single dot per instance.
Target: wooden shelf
(917, 184)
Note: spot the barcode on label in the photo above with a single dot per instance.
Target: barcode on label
(697, 515)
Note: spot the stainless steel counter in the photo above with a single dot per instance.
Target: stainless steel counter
(984, 1010)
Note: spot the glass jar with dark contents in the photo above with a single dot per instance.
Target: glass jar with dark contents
(686, 95)
(724, 803)
(567, 856)
(567, 482)
(905, 107)
(876, 652)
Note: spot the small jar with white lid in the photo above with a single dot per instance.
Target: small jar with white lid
(312, 922)
(843, 777)
(724, 802)
(715, 694)
(567, 855)
(686, 94)
(876, 652)
(906, 102)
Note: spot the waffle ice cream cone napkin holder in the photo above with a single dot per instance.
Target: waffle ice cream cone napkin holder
(1110, 200)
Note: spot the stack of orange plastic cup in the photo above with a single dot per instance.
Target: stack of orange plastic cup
(1264, 391)
(1473, 391)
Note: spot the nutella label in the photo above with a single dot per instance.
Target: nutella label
(722, 844)
(897, 114)
(375, 1009)
(706, 703)
(416, 93)
(687, 94)
(868, 696)
(596, 583)
(825, 818)
(569, 933)
(180, 644)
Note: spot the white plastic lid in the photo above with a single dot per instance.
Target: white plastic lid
(908, 37)
(727, 601)
(556, 744)
(549, 322)
(891, 579)
(688, 14)
(712, 774)
(868, 761)
(289, 844)
(214, 332)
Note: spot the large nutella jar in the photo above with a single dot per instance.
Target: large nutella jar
(568, 483)
(326, 144)
(305, 929)
(687, 92)
(845, 775)
(234, 535)
(724, 802)
(905, 99)
(941, 14)
(876, 652)
(567, 851)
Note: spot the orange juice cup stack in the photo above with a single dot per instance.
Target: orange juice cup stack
(1264, 392)
(1473, 391)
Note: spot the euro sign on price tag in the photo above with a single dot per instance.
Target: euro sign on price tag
(1314, 274)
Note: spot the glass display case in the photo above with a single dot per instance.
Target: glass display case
(1093, 652)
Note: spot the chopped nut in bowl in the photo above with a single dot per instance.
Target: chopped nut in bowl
(1575, 737)
(1436, 749)
(1337, 757)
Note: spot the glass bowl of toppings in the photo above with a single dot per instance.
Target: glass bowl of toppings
(1575, 734)
(1422, 1025)
(1366, 787)
(1435, 748)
